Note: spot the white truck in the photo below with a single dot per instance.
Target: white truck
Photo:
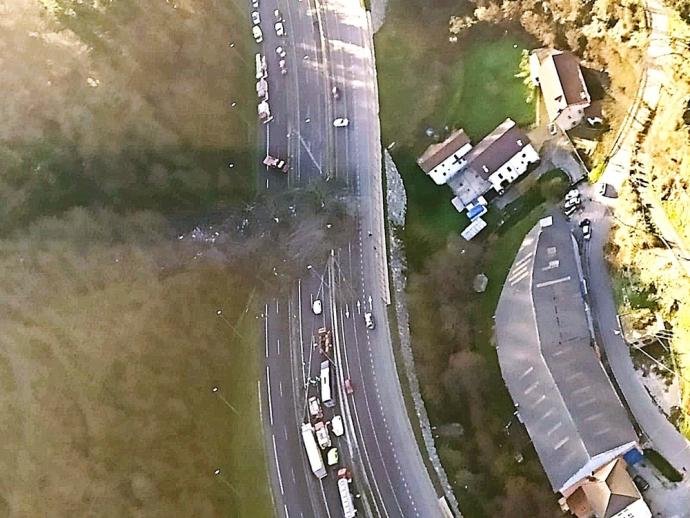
(313, 452)
(261, 68)
(265, 112)
(262, 89)
(322, 436)
(344, 479)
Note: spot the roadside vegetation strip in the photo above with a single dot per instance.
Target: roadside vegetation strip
(663, 465)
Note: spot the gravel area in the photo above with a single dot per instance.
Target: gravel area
(397, 204)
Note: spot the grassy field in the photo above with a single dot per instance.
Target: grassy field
(117, 119)
(111, 345)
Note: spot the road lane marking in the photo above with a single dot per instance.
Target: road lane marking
(268, 389)
(287, 514)
(266, 329)
(280, 388)
(261, 410)
(275, 453)
(278, 347)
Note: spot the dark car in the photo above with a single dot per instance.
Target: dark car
(641, 483)
(586, 227)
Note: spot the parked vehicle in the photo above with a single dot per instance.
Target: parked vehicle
(572, 202)
(278, 16)
(322, 436)
(641, 483)
(572, 193)
(276, 163)
(332, 457)
(282, 66)
(261, 69)
(344, 480)
(258, 35)
(603, 189)
(256, 17)
(337, 426)
(341, 122)
(313, 453)
(280, 29)
(315, 408)
(262, 89)
(265, 115)
(316, 306)
(255, 4)
(281, 52)
(586, 227)
(349, 389)
(336, 92)
(369, 320)
(570, 211)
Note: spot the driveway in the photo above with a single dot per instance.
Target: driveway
(661, 434)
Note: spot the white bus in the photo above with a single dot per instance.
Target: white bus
(313, 452)
(261, 69)
(346, 497)
(326, 392)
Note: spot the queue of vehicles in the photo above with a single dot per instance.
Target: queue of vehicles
(315, 432)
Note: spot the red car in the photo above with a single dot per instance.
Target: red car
(348, 386)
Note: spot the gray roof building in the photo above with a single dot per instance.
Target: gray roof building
(497, 148)
(562, 394)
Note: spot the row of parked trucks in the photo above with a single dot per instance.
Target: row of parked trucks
(315, 433)
(264, 108)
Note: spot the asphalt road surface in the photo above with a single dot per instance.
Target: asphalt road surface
(329, 44)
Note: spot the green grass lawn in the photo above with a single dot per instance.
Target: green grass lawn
(487, 90)
(425, 81)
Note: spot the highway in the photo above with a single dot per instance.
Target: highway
(329, 43)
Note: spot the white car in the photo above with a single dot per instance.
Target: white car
(369, 320)
(572, 193)
(337, 426)
(258, 35)
(255, 4)
(256, 18)
(322, 436)
(281, 52)
(280, 28)
(279, 17)
(316, 306)
(283, 68)
(332, 457)
(341, 122)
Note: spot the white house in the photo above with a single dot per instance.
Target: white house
(443, 160)
(562, 84)
(497, 161)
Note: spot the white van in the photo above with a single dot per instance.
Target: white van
(258, 35)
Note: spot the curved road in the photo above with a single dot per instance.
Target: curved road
(329, 43)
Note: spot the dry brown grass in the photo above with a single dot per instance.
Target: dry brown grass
(108, 356)
(110, 341)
